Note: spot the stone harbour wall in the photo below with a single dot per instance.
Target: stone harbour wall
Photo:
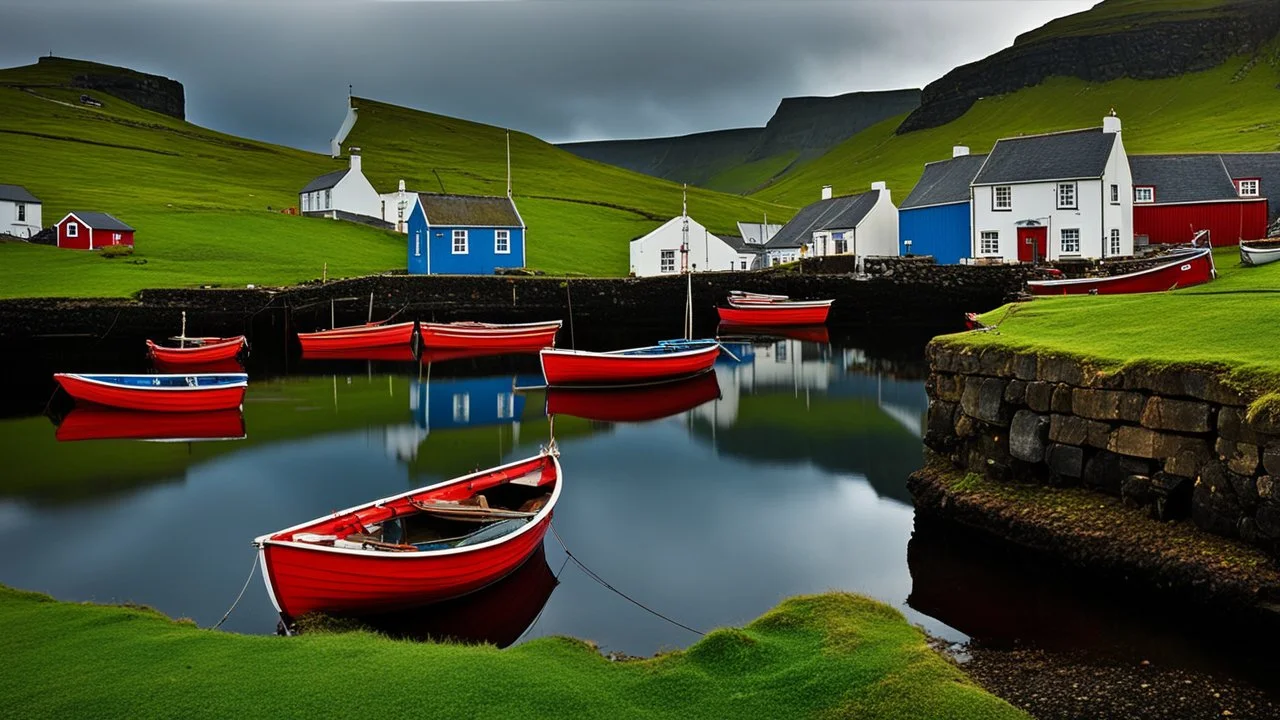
(1177, 442)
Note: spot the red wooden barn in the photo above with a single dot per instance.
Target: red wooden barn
(92, 230)
(1176, 196)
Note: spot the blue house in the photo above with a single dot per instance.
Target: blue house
(464, 235)
(936, 216)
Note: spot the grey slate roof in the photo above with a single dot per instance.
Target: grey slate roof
(100, 221)
(326, 181)
(944, 182)
(759, 231)
(469, 210)
(1055, 156)
(840, 213)
(17, 193)
(742, 246)
(1266, 167)
(1183, 178)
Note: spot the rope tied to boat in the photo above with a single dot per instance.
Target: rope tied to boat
(252, 571)
(605, 584)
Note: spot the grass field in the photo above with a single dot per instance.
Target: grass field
(833, 655)
(199, 199)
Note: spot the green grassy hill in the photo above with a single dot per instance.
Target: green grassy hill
(200, 199)
(1233, 107)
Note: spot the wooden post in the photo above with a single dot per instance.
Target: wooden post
(370, 306)
(324, 273)
(332, 322)
(182, 341)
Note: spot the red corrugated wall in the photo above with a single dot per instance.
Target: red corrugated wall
(1228, 223)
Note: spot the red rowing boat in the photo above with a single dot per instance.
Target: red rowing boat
(101, 423)
(490, 336)
(776, 312)
(634, 404)
(197, 392)
(664, 361)
(423, 546)
(198, 351)
(356, 337)
(1184, 271)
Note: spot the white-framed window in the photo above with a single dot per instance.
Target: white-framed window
(1144, 194)
(306, 202)
(1002, 198)
(461, 407)
(502, 242)
(667, 261)
(22, 212)
(1114, 240)
(780, 351)
(1067, 196)
(1115, 194)
(73, 230)
(328, 199)
(115, 237)
(1070, 241)
(506, 405)
(459, 242)
(417, 243)
(1248, 188)
(743, 263)
(989, 242)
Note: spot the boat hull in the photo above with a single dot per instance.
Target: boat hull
(574, 367)
(486, 336)
(1258, 256)
(219, 350)
(1186, 271)
(765, 314)
(357, 337)
(197, 399)
(634, 404)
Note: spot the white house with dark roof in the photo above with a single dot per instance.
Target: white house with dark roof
(1057, 196)
(865, 224)
(341, 192)
(658, 252)
(395, 208)
(20, 212)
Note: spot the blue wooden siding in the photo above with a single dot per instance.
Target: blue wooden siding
(941, 231)
(431, 249)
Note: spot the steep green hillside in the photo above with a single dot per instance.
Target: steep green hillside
(1233, 107)
(206, 205)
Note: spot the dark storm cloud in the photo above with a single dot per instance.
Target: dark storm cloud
(572, 69)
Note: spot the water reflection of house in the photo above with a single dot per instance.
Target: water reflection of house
(455, 403)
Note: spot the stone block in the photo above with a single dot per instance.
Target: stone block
(1105, 471)
(970, 394)
(1024, 367)
(1135, 442)
(1135, 491)
(1028, 436)
(1060, 370)
(1107, 404)
(1232, 426)
(1271, 459)
(1171, 496)
(1065, 461)
(942, 358)
(991, 406)
(1214, 505)
(940, 425)
(1241, 458)
(1268, 488)
(1061, 401)
(1015, 393)
(947, 387)
(1186, 463)
(966, 427)
(1073, 430)
(996, 362)
(1246, 489)
(1187, 416)
(1040, 396)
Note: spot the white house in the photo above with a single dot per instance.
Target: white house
(19, 212)
(658, 253)
(395, 208)
(1055, 196)
(342, 192)
(865, 224)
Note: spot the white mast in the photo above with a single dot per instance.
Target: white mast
(508, 164)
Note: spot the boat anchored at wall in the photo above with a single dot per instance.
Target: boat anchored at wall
(1185, 270)
(192, 351)
(512, 337)
(757, 309)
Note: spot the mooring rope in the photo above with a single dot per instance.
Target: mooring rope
(591, 574)
(252, 570)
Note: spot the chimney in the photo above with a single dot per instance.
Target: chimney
(401, 188)
(959, 150)
(1111, 123)
(355, 158)
(826, 192)
(882, 187)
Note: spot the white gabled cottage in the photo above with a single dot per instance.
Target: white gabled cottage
(19, 212)
(658, 252)
(1055, 196)
(342, 192)
(864, 224)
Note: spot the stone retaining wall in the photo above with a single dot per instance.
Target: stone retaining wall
(1176, 442)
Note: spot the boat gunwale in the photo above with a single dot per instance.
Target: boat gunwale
(353, 330)
(779, 305)
(474, 325)
(622, 354)
(242, 383)
(220, 343)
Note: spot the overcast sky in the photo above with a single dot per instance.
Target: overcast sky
(563, 70)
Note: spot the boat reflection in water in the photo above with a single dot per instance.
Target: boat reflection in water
(495, 615)
(103, 423)
(634, 404)
(806, 333)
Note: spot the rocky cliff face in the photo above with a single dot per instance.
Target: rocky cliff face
(1111, 46)
(151, 92)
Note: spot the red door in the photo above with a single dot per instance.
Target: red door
(1033, 243)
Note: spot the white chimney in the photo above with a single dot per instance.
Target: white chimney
(401, 188)
(1111, 123)
(355, 158)
(959, 150)
(879, 185)
(826, 192)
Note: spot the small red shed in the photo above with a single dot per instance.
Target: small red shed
(91, 230)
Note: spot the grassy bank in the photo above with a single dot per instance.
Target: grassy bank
(834, 655)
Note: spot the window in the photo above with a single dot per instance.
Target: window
(744, 264)
(22, 212)
(328, 199)
(989, 243)
(1066, 196)
(73, 230)
(1248, 188)
(459, 242)
(780, 352)
(502, 242)
(115, 237)
(1115, 194)
(506, 405)
(1002, 199)
(1144, 194)
(306, 202)
(668, 261)
(1115, 243)
(461, 407)
(417, 243)
(1070, 241)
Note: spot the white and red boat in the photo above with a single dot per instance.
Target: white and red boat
(1182, 271)
(667, 360)
(197, 392)
(358, 337)
(513, 337)
(765, 312)
(197, 351)
(427, 545)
